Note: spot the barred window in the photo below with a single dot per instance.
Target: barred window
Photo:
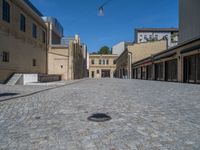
(5, 57)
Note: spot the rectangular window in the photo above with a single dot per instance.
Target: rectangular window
(22, 23)
(150, 37)
(43, 37)
(99, 61)
(97, 71)
(34, 62)
(92, 61)
(92, 74)
(156, 37)
(5, 57)
(107, 62)
(34, 31)
(6, 11)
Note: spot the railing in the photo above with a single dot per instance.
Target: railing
(49, 78)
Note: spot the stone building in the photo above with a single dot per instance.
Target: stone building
(134, 53)
(102, 66)
(23, 46)
(155, 34)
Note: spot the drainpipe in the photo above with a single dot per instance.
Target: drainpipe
(130, 65)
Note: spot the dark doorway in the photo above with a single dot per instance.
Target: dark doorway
(105, 73)
(171, 70)
(198, 68)
(149, 72)
(159, 71)
(192, 69)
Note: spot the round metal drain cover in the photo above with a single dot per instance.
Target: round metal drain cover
(99, 117)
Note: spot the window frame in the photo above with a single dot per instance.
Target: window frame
(43, 36)
(5, 56)
(34, 30)
(22, 23)
(6, 11)
(92, 62)
(34, 62)
(107, 61)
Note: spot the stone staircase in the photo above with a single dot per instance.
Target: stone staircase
(14, 79)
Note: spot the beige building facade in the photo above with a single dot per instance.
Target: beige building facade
(65, 55)
(23, 47)
(134, 53)
(67, 60)
(178, 64)
(182, 62)
(102, 65)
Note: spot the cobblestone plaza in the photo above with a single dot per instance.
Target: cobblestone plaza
(146, 115)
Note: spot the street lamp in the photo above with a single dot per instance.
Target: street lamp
(101, 12)
(101, 8)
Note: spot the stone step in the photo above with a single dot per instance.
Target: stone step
(13, 80)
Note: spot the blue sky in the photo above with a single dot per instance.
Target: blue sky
(118, 24)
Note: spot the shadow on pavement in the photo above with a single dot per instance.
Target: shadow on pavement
(8, 94)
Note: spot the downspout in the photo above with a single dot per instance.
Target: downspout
(130, 65)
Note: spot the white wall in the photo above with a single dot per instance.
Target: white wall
(118, 48)
(141, 37)
(28, 78)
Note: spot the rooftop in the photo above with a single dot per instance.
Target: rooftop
(156, 29)
(33, 8)
(58, 27)
(104, 55)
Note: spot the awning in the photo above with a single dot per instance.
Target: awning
(165, 56)
(193, 48)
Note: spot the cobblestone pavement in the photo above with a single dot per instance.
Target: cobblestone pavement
(10, 92)
(146, 115)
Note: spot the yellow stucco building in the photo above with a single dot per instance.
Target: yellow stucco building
(102, 65)
(136, 52)
(32, 44)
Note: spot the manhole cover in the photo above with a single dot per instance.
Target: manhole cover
(99, 117)
(37, 118)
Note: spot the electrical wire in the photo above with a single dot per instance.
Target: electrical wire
(104, 4)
